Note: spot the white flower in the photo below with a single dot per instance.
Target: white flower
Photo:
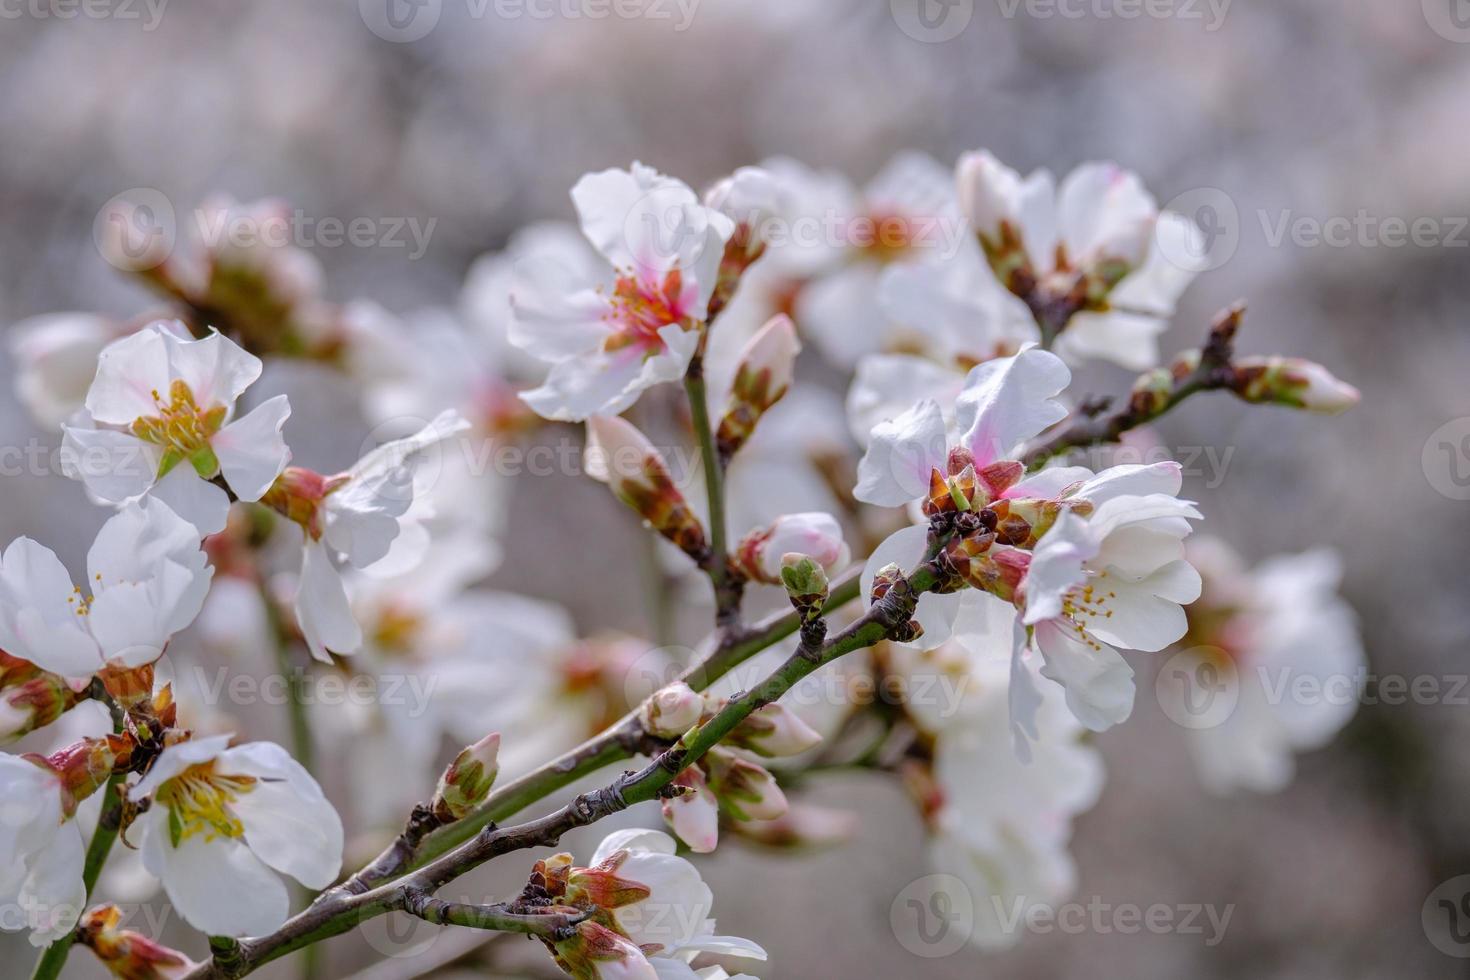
(146, 577)
(361, 514)
(159, 420)
(1116, 577)
(1004, 402)
(673, 919)
(637, 325)
(1009, 848)
(1263, 630)
(41, 852)
(224, 821)
(1101, 226)
(56, 359)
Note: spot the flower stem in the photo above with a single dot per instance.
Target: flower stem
(727, 591)
(54, 958)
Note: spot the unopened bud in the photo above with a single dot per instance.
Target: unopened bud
(85, 766)
(766, 367)
(746, 789)
(672, 710)
(989, 192)
(127, 954)
(297, 495)
(694, 815)
(774, 732)
(761, 555)
(806, 585)
(885, 579)
(596, 952)
(466, 783)
(1292, 381)
(803, 825)
(32, 705)
(623, 458)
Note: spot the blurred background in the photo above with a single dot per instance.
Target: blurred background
(478, 117)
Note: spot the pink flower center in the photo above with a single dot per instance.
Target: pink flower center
(639, 308)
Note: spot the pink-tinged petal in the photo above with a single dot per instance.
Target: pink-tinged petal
(1049, 484)
(251, 450)
(129, 373)
(1105, 211)
(695, 816)
(322, 608)
(1098, 681)
(902, 454)
(1008, 400)
(196, 500)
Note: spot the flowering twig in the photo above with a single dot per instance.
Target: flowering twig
(1154, 395)
(339, 911)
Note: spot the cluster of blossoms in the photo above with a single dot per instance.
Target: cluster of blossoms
(958, 301)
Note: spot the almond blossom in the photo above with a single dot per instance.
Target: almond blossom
(146, 580)
(1103, 267)
(160, 419)
(1262, 630)
(638, 323)
(41, 849)
(354, 518)
(224, 821)
(56, 360)
(642, 893)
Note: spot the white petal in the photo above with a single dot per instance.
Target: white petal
(129, 372)
(634, 839)
(322, 609)
(36, 620)
(1008, 400)
(54, 892)
(215, 368)
(887, 385)
(175, 759)
(114, 466)
(251, 451)
(196, 500)
(902, 454)
(288, 823)
(218, 886)
(1099, 683)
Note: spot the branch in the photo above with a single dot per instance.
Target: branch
(338, 912)
(1155, 394)
(494, 918)
(727, 587)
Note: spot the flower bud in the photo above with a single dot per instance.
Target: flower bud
(596, 952)
(127, 954)
(802, 826)
(33, 704)
(1292, 381)
(989, 193)
(672, 710)
(746, 789)
(694, 816)
(806, 585)
(766, 367)
(297, 495)
(773, 731)
(761, 555)
(750, 197)
(85, 765)
(623, 458)
(466, 783)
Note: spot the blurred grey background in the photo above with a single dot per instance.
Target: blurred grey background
(1289, 109)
